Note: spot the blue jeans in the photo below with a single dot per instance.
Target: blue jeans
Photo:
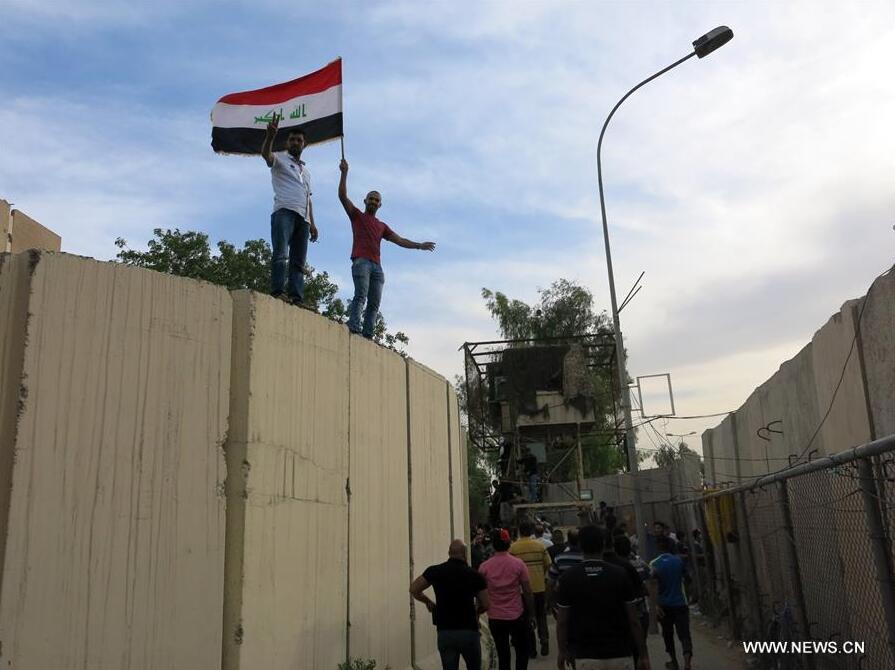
(452, 644)
(288, 231)
(534, 480)
(368, 280)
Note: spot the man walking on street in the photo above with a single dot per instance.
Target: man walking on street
(559, 544)
(597, 626)
(460, 596)
(368, 232)
(534, 554)
(668, 570)
(508, 588)
(292, 221)
(620, 554)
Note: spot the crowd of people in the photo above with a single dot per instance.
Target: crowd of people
(602, 594)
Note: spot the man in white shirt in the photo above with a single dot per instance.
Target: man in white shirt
(292, 220)
(542, 536)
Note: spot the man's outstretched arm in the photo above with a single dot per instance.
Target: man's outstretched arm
(343, 188)
(409, 244)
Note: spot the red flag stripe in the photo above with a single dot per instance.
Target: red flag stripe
(316, 82)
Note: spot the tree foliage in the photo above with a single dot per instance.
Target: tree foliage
(480, 466)
(188, 254)
(566, 309)
(667, 454)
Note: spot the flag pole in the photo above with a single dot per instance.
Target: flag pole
(342, 142)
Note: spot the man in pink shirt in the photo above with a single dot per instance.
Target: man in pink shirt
(507, 579)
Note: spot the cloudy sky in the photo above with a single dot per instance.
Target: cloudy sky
(754, 187)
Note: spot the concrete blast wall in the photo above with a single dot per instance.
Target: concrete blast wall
(19, 232)
(114, 412)
(191, 478)
(379, 604)
(837, 392)
(658, 488)
(288, 455)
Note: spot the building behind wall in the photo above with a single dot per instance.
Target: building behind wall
(20, 232)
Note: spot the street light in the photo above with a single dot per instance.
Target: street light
(692, 432)
(702, 47)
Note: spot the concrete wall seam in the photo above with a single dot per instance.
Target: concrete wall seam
(447, 409)
(411, 573)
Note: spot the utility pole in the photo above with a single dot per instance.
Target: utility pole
(701, 47)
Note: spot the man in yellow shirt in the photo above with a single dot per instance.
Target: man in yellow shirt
(534, 554)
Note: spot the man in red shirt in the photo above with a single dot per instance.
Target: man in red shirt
(368, 232)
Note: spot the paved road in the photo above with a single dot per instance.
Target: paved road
(710, 651)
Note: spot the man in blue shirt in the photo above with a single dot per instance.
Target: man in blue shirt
(669, 572)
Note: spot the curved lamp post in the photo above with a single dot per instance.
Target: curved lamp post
(701, 48)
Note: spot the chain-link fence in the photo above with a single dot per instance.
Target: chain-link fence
(804, 555)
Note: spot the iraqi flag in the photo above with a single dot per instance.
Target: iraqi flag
(312, 103)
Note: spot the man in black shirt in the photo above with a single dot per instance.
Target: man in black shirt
(596, 615)
(619, 555)
(461, 594)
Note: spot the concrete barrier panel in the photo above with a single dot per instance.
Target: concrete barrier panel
(115, 535)
(878, 348)
(708, 455)
(753, 452)
(848, 423)
(430, 498)
(15, 285)
(5, 223)
(379, 609)
(724, 451)
(287, 518)
(792, 400)
(29, 234)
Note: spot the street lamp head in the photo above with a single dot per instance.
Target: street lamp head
(712, 40)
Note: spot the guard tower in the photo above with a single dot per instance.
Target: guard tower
(532, 401)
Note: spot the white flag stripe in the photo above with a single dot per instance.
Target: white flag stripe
(295, 111)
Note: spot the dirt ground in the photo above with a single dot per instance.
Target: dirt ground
(711, 651)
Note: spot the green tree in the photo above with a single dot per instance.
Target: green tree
(667, 454)
(566, 309)
(480, 466)
(188, 254)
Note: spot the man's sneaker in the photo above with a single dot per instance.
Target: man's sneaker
(281, 296)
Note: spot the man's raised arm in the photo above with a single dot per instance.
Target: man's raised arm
(272, 127)
(343, 188)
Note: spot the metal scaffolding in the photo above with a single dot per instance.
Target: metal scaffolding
(499, 417)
